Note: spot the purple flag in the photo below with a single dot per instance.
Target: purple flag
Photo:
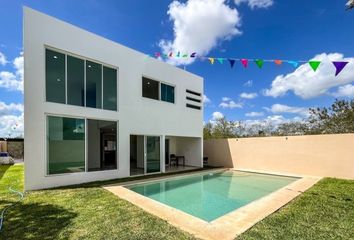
(339, 66)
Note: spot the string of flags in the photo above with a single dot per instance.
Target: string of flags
(314, 64)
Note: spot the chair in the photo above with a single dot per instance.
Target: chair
(173, 160)
(205, 161)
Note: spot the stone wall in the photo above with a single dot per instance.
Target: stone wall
(15, 149)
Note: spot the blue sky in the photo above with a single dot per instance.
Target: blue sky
(267, 29)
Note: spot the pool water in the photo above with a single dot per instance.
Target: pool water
(212, 195)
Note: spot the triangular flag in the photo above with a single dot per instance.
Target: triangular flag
(178, 54)
(278, 62)
(211, 60)
(314, 65)
(220, 60)
(294, 63)
(259, 62)
(339, 66)
(193, 55)
(171, 54)
(244, 62)
(232, 62)
(185, 55)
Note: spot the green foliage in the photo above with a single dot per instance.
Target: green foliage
(76, 213)
(326, 211)
(338, 118)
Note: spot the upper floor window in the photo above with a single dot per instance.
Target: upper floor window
(55, 76)
(80, 82)
(158, 91)
(150, 88)
(167, 93)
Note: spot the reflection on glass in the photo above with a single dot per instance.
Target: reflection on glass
(66, 145)
(167, 93)
(152, 154)
(75, 82)
(93, 85)
(109, 88)
(150, 88)
(55, 76)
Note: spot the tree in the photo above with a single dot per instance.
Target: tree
(208, 131)
(350, 4)
(291, 129)
(339, 118)
(224, 129)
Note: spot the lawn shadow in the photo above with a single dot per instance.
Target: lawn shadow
(3, 169)
(36, 221)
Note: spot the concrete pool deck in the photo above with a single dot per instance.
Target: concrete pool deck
(225, 227)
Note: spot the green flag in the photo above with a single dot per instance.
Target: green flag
(259, 62)
(314, 65)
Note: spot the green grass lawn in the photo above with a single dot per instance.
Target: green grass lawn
(326, 211)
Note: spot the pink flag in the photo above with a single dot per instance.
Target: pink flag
(244, 62)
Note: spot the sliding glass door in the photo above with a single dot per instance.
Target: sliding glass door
(152, 154)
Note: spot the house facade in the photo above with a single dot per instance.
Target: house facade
(97, 110)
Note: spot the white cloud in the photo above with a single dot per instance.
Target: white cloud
(7, 109)
(217, 115)
(199, 25)
(306, 83)
(3, 60)
(249, 83)
(254, 114)
(229, 103)
(345, 91)
(248, 95)
(280, 108)
(206, 100)
(11, 120)
(273, 120)
(11, 126)
(13, 81)
(256, 3)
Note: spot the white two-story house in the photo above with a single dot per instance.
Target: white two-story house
(97, 110)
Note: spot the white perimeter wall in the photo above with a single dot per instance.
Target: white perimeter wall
(136, 115)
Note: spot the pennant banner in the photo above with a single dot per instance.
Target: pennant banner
(314, 64)
(244, 62)
(339, 66)
(259, 63)
(278, 62)
(232, 62)
(294, 63)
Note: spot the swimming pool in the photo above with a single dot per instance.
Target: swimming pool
(212, 195)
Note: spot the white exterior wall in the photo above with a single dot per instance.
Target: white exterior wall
(135, 115)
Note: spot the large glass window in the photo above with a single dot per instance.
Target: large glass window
(167, 93)
(109, 88)
(67, 75)
(55, 76)
(76, 81)
(150, 88)
(152, 154)
(93, 85)
(66, 145)
(101, 145)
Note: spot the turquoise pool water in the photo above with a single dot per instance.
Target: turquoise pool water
(212, 195)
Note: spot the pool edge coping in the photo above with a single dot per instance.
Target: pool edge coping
(227, 226)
